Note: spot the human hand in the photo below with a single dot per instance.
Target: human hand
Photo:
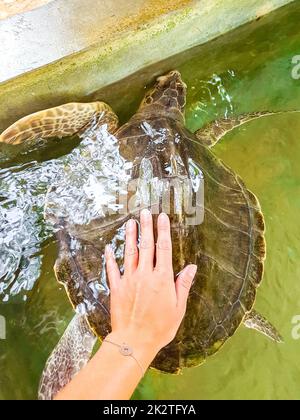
(147, 306)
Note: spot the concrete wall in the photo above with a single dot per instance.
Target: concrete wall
(69, 49)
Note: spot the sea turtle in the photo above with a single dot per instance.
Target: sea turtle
(228, 245)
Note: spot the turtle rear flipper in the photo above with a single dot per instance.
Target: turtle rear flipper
(69, 356)
(259, 323)
(61, 121)
(213, 132)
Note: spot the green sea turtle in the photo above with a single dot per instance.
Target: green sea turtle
(228, 245)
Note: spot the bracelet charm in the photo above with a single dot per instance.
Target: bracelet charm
(125, 350)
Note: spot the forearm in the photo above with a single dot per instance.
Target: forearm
(109, 374)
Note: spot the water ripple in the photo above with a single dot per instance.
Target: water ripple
(77, 187)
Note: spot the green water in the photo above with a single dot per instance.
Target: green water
(248, 70)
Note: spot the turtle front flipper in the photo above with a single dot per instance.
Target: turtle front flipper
(69, 356)
(259, 323)
(213, 132)
(61, 121)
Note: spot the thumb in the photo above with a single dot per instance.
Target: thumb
(183, 285)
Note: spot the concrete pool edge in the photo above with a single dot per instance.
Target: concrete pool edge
(78, 75)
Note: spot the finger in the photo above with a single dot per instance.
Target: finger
(112, 268)
(131, 249)
(164, 244)
(146, 254)
(183, 286)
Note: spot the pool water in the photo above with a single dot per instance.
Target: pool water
(248, 70)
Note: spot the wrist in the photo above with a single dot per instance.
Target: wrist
(144, 348)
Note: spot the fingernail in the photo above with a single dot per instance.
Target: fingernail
(163, 218)
(145, 214)
(192, 270)
(130, 224)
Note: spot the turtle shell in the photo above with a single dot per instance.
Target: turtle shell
(228, 245)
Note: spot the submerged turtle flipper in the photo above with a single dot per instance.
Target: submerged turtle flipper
(210, 134)
(259, 323)
(69, 356)
(62, 121)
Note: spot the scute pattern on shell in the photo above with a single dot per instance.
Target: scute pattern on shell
(230, 251)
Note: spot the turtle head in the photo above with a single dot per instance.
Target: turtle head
(168, 94)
